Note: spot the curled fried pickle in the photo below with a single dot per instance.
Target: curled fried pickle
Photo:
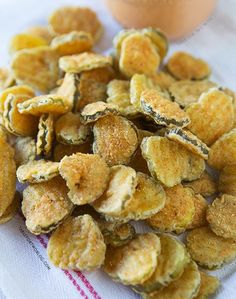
(45, 135)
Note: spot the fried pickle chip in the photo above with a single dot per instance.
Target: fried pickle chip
(7, 175)
(61, 150)
(169, 162)
(232, 94)
(211, 116)
(69, 18)
(25, 41)
(171, 263)
(41, 31)
(184, 66)
(15, 122)
(11, 210)
(209, 285)
(77, 244)
(221, 216)
(205, 185)
(70, 130)
(116, 87)
(86, 176)
(115, 139)
(199, 218)
(189, 141)
(74, 42)
(162, 110)
(135, 262)
(186, 92)
(209, 250)
(223, 151)
(185, 287)
(6, 78)
(116, 234)
(227, 180)
(46, 205)
(120, 37)
(178, 211)
(25, 150)
(84, 62)
(37, 171)
(94, 111)
(36, 67)
(138, 56)
(45, 135)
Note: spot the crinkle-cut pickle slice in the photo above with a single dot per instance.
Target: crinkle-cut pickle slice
(94, 111)
(37, 67)
(209, 285)
(227, 180)
(186, 92)
(86, 176)
(84, 62)
(211, 116)
(37, 171)
(62, 150)
(138, 56)
(46, 205)
(185, 287)
(69, 18)
(74, 42)
(162, 110)
(171, 263)
(121, 187)
(70, 130)
(170, 162)
(25, 41)
(223, 151)
(77, 244)
(199, 218)
(115, 139)
(184, 66)
(189, 141)
(11, 210)
(134, 262)
(177, 213)
(221, 215)
(209, 250)
(45, 135)
(6, 78)
(52, 103)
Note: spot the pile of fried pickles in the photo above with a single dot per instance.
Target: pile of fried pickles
(99, 141)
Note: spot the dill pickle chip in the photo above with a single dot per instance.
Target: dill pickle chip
(46, 205)
(37, 171)
(205, 185)
(209, 250)
(84, 62)
(138, 56)
(61, 150)
(184, 66)
(115, 139)
(169, 162)
(223, 151)
(232, 94)
(188, 140)
(185, 287)
(25, 150)
(178, 211)
(41, 31)
(120, 37)
(11, 210)
(74, 42)
(116, 234)
(227, 180)
(39, 105)
(37, 67)
(7, 175)
(70, 130)
(68, 18)
(211, 116)
(163, 79)
(94, 111)
(171, 263)
(15, 122)
(116, 87)
(221, 216)
(162, 110)
(123, 105)
(45, 135)
(77, 244)
(6, 78)
(186, 92)
(25, 41)
(135, 262)
(209, 285)
(120, 189)
(86, 176)
(199, 218)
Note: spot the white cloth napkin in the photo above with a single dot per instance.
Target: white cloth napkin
(25, 272)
